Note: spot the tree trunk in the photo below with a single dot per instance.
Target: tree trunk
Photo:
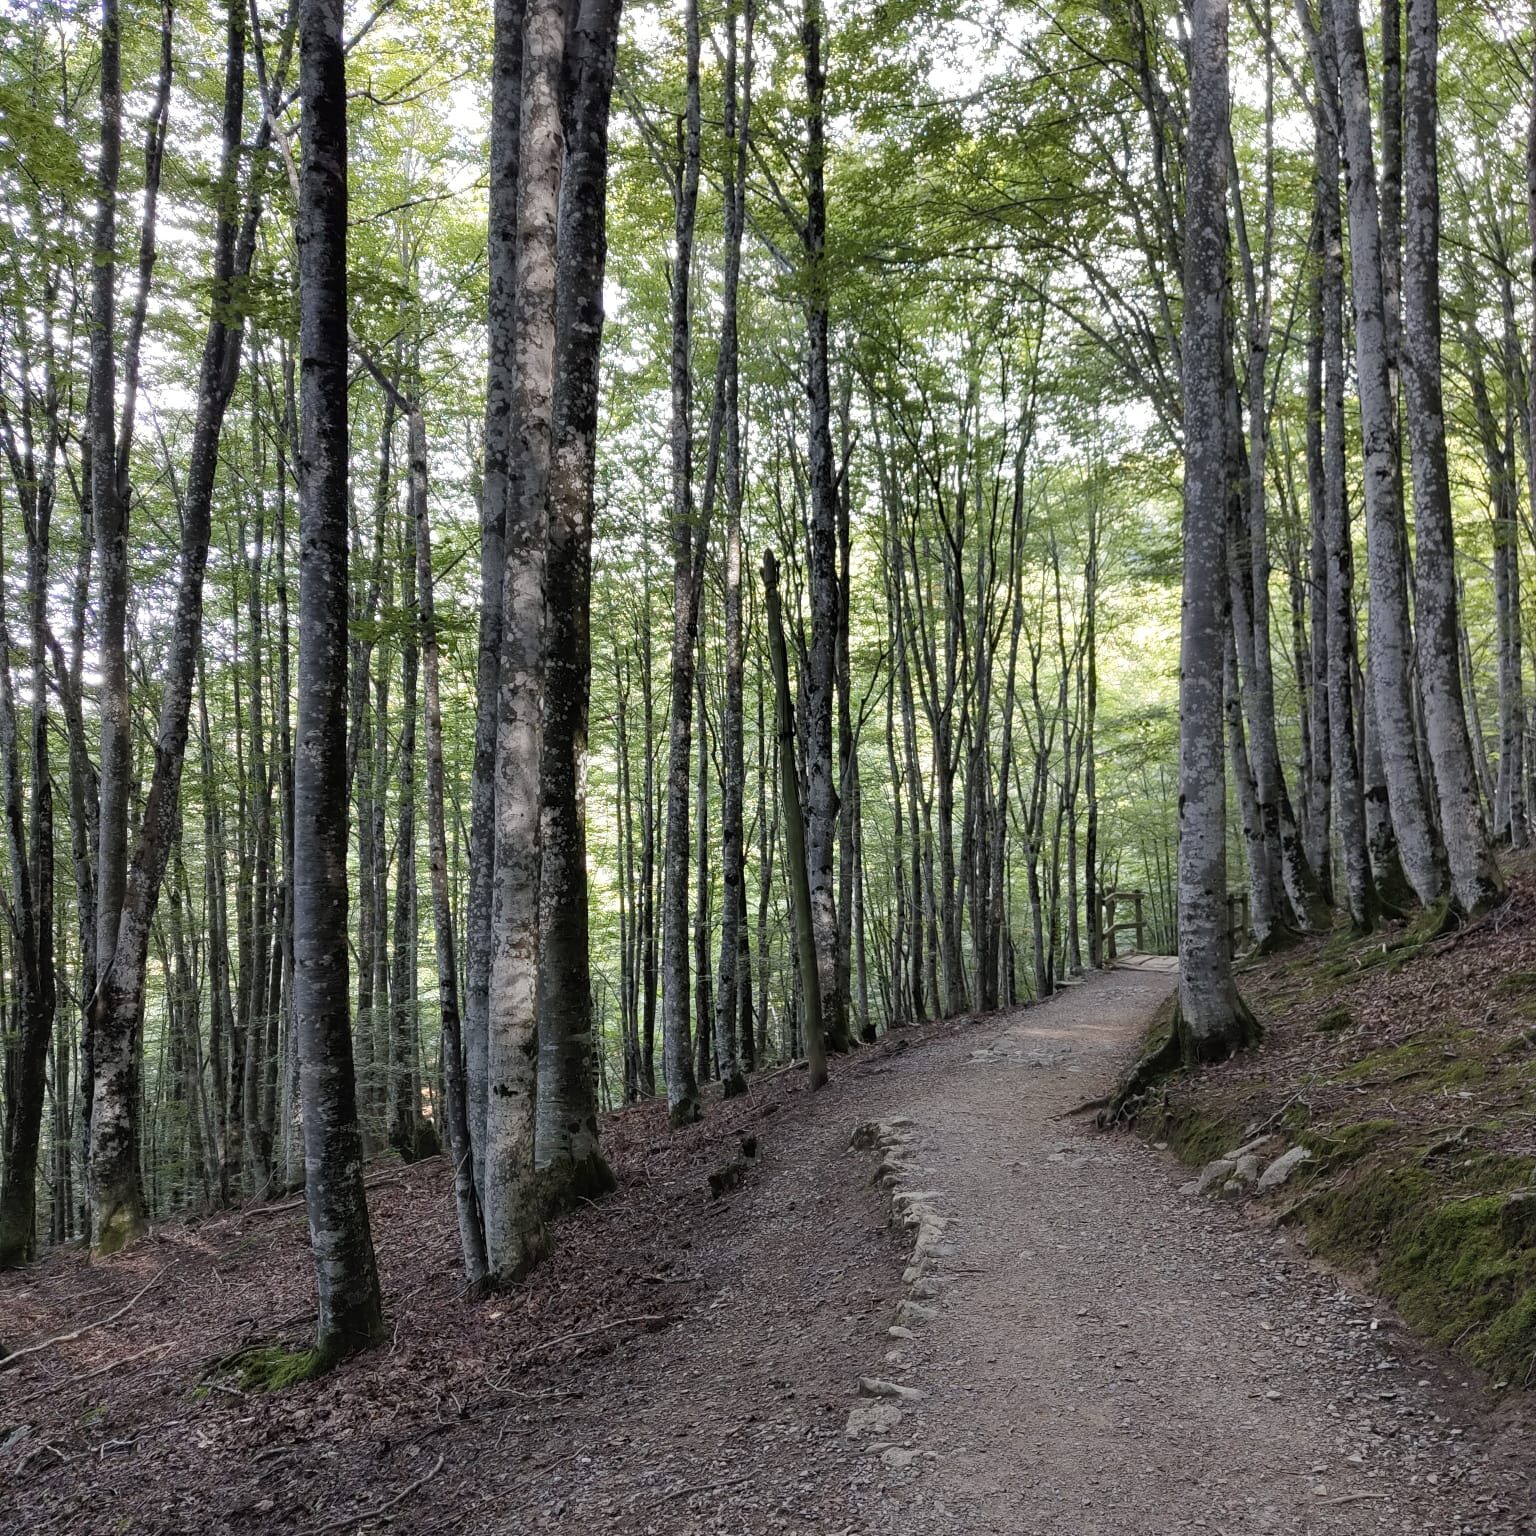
(677, 1052)
(455, 1088)
(515, 1237)
(731, 993)
(405, 1129)
(1390, 636)
(1475, 880)
(351, 1314)
(117, 1007)
(820, 690)
(501, 264)
(1213, 1020)
(566, 1147)
(794, 835)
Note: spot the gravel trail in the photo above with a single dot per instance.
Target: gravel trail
(1086, 1350)
(1108, 1354)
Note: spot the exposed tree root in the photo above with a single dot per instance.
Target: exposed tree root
(8, 1360)
(386, 1506)
(1279, 938)
(1175, 1050)
(567, 1183)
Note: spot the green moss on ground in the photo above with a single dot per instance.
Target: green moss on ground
(1446, 1058)
(1196, 1134)
(271, 1367)
(1338, 1142)
(1437, 1215)
(1461, 1268)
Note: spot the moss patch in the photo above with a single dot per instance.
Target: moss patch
(1337, 1143)
(1460, 1268)
(1441, 1059)
(1197, 1134)
(270, 1367)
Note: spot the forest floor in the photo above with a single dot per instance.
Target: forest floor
(1085, 1348)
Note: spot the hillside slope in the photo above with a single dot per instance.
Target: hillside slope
(1405, 1066)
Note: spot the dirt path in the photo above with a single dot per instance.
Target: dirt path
(1110, 1355)
(1103, 1353)
(1084, 1351)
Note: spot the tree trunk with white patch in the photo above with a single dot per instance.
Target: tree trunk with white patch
(1475, 880)
(515, 1235)
(1390, 635)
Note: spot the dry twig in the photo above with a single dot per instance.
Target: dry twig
(386, 1506)
(75, 1333)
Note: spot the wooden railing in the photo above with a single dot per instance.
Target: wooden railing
(1108, 927)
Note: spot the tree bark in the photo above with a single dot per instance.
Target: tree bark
(683, 1106)
(1390, 635)
(515, 1235)
(501, 263)
(455, 1094)
(730, 994)
(796, 869)
(1475, 880)
(820, 689)
(351, 1313)
(1213, 1020)
(566, 1148)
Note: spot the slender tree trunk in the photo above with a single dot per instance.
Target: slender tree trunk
(117, 1007)
(820, 690)
(677, 1053)
(405, 1130)
(794, 834)
(1475, 880)
(647, 908)
(1338, 598)
(455, 1088)
(1390, 636)
(703, 917)
(351, 1314)
(1318, 787)
(32, 977)
(501, 263)
(1509, 812)
(732, 1044)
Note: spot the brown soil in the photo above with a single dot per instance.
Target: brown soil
(1104, 1354)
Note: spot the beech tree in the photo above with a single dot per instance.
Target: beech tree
(351, 1314)
(1212, 1020)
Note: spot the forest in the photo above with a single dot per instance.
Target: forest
(560, 555)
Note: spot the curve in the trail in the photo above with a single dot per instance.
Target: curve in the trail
(1100, 1353)
(941, 1305)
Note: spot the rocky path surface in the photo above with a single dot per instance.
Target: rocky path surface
(1075, 1347)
